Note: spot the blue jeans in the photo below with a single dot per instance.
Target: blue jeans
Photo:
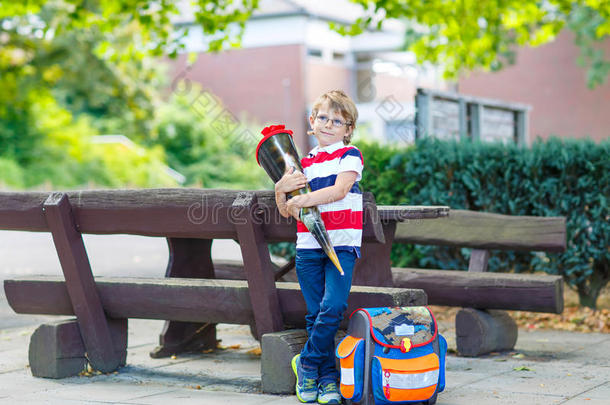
(325, 292)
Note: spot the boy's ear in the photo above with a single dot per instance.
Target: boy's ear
(310, 131)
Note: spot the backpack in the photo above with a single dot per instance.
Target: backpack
(392, 355)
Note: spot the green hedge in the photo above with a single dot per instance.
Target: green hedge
(551, 178)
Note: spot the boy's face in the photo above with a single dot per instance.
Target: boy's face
(329, 126)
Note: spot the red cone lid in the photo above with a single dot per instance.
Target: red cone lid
(268, 132)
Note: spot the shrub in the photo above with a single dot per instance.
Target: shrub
(11, 175)
(551, 178)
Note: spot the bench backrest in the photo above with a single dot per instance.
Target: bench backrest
(481, 230)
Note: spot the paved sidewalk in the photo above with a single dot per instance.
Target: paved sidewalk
(546, 367)
(550, 368)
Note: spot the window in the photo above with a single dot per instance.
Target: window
(315, 53)
(400, 131)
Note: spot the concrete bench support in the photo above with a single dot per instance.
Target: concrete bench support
(480, 332)
(57, 349)
(278, 350)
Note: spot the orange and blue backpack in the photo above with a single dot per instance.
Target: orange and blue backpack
(392, 356)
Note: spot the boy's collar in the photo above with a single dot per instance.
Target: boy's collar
(329, 149)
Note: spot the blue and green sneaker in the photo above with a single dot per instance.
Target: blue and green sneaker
(306, 386)
(328, 393)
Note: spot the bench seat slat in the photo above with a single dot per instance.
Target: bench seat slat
(524, 292)
(184, 299)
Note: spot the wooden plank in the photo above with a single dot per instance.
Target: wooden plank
(482, 230)
(84, 299)
(478, 261)
(229, 269)
(406, 212)
(186, 300)
(373, 268)
(525, 292)
(234, 270)
(372, 229)
(257, 265)
(22, 211)
(169, 212)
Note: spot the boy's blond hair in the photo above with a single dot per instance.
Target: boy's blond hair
(338, 101)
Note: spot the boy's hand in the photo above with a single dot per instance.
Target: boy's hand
(295, 204)
(290, 181)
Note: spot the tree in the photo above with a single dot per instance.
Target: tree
(468, 34)
(459, 35)
(78, 68)
(97, 61)
(52, 77)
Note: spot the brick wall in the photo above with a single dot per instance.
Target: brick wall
(266, 84)
(548, 78)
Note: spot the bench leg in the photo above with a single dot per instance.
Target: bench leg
(258, 267)
(480, 332)
(190, 258)
(57, 349)
(181, 337)
(92, 321)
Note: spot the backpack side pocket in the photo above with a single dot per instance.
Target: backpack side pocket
(398, 380)
(442, 357)
(350, 352)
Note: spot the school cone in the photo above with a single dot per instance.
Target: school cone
(275, 153)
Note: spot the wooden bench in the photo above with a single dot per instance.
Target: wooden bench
(190, 297)
(481, 327)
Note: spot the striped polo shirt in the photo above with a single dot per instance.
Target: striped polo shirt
(343, 218)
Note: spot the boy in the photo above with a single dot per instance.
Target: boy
(332, 169)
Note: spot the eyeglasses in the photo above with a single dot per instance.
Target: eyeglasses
(336, 122)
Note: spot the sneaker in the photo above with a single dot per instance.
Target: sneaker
(328, 393)
(306, 386)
